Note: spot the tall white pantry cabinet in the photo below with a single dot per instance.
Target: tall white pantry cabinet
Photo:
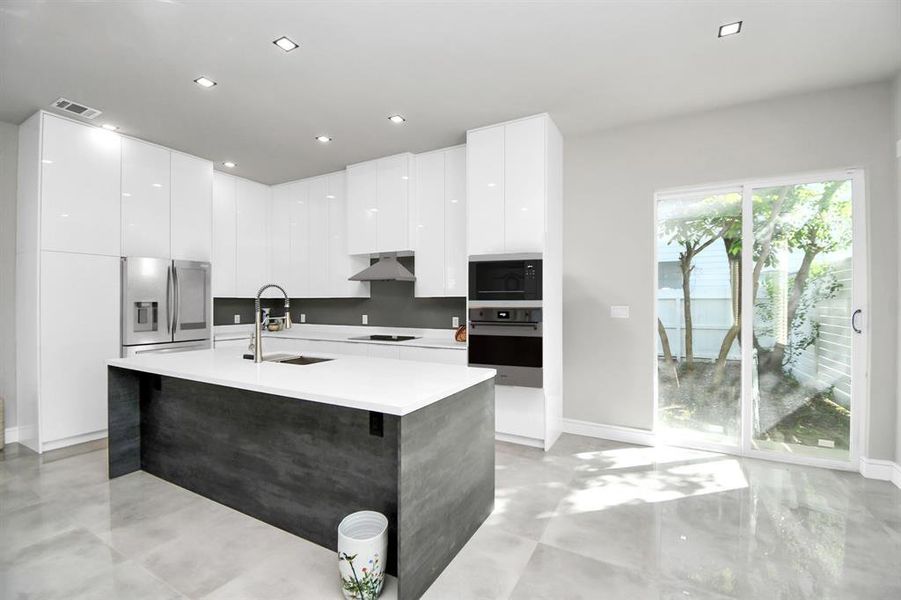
(86, 197)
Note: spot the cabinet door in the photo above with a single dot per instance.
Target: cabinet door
(318, 237)
(456, 263)
(525, 178)
(79, 332)
(342, 265)
(438, 355)
(191, 208)
(145, 199)
(80, 188)
(393, 198)
(224, 240)
(362, 208)
(252, 264)
(429, 224)
(288, 240)
(485, 190)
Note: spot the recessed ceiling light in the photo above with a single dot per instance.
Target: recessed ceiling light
(285, 44)
(730, 29)
(229, 164)
(396, 119)
(323, 138)
(110, 127)
(330, 196)
(204, 82)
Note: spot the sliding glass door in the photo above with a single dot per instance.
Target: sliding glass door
(760, 296)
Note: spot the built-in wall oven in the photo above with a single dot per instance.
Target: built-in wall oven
(508, 340)
(505, 280)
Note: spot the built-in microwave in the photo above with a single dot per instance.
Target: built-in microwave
(505, 280)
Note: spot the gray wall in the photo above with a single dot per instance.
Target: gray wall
(391, 305)
(609, 229)
(9, 136)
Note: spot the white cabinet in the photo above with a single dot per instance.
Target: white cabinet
(79, 333)
(439, 355)
(289, 241)
(440, 223)
(80, 187)
(308, 237)
(362, 208)
(191, 208)
(507, 187)
(252, 232)
(378, 199)
(342, 265)
(145, 199)
(525, 159)
(318, 237)
(224, 242)
(485, 190)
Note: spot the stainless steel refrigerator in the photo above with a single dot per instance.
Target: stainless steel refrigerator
(166, 305)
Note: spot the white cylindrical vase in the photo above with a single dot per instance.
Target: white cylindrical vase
(362, 554)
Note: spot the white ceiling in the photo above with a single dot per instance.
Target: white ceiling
(446, 66)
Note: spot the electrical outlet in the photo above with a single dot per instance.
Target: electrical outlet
(237, 319)
(455, 322)
(619, 312)
(365, 319)
(303, 318)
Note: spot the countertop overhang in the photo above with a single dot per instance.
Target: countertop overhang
(390, 386)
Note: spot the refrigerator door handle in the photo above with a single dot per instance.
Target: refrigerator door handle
(174, 298)
(168, 299)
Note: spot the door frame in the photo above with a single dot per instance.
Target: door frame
(860, 357)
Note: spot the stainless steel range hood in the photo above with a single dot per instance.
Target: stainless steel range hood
(386, 269)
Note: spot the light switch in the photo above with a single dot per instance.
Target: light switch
(237, 319)
(303, 318)
(365, 319)
(455, 322)
(619, 312)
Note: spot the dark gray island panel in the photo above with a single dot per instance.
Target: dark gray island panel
(302, 465)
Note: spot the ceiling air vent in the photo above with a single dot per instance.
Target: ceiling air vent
(75, 108)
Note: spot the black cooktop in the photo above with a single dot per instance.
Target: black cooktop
(385, 338)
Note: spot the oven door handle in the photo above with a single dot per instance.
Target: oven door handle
(502, 324)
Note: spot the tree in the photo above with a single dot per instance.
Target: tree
(694, 226)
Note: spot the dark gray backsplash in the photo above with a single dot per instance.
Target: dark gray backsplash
(392, 305)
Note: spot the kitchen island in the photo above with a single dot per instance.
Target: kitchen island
(302, 446)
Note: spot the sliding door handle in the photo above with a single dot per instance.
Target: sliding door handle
(854, 316)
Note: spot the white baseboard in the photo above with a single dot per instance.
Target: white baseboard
(72, 441)
(629, 435)
(884, 470)
(11, 435)
(518, 439)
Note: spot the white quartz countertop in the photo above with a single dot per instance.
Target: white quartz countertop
(395, 387)
(429, 338)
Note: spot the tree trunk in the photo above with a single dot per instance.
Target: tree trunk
(776, 357)
(685, 264)
(735, 289)
(667, 351)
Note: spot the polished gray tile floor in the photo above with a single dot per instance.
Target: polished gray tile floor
(590, 519)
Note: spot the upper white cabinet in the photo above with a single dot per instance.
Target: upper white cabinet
(440, 223)
(342, 265)
(252, 201)
(145, 199)
(166, 203)
(289, 241)
(308, 240)
(224, 243)
(507, 186)
(378, 199)
(191, 208)
(80, 187)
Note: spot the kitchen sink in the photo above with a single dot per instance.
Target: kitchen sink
(291, 359)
